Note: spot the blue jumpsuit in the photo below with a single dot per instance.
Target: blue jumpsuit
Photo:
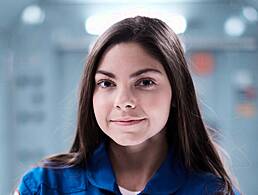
(98, 178)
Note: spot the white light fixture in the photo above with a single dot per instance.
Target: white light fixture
(177, 22)
(33, 14)
(250, 14)
(97, 24)
(234, 26)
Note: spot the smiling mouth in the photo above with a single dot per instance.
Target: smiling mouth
(127, 122)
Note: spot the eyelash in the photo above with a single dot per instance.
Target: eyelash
(147, 79)
(104, 80)
(139, 81)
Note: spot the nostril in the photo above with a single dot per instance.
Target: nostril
(126, 106)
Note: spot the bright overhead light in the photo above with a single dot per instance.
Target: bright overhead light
(234, 26)
(250, 13)
(97, 24)
(177, 22)
(33, 14)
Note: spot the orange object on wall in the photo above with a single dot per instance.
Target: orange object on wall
(202, 63)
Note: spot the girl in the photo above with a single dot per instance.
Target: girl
(139, 128)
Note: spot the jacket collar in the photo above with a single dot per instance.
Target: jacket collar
(99, 170)
(168, 178)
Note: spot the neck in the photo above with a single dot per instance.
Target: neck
(135, 165)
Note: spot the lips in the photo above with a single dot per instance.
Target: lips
(127, 122)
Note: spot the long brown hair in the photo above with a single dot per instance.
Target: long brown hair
(186, 131)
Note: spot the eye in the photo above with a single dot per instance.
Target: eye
(146, 83)
(105, 83)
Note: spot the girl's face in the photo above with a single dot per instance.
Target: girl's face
(132, 95)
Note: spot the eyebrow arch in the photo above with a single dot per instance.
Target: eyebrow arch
(137, 73)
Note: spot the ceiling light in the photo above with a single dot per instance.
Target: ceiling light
(33, 14)
(250, 13)
(97, 24)
(234, 26)
(177, 22)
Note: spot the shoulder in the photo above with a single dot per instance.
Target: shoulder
(53, 180)
(202, 183)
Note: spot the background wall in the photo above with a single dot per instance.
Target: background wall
(41, 66)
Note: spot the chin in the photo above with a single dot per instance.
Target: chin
(129, 142)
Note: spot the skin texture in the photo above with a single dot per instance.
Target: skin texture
(146, 96)
(136, 150)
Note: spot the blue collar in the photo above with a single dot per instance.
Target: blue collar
(168, 178)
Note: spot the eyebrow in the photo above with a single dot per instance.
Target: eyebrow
(137, 73)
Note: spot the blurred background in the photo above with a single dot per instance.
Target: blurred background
(43, 47)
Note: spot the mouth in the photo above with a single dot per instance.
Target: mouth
(127, 122)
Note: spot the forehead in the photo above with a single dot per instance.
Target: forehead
(128, 56)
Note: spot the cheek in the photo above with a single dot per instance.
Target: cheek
(157, 106)
(101, 108)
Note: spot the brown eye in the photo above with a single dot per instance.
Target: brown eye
(146, 83)
(105, 84)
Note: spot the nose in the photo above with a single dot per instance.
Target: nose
(125, 100)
